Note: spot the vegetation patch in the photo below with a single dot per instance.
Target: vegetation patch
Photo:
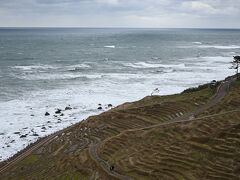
(30, 159)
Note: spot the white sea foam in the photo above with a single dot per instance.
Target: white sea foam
(84, 99)
(35, 67)
(52, 67)
(205, 46)
(197, 42)
(46, 76)
(78, 67)
(143, 65)
(220, 46)
(208, 59)
(110, 46)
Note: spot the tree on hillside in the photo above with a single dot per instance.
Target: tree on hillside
(236, 63)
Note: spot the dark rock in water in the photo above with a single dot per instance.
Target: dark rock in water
(49, 122)
(100, 104)
(32, 115)
(50, 126)
(58, 111)
(1, 133)
(110, 105)
(62, 114)
(35, 134)
(55, 115)
(68, 108)
(8, 145)
(16, 133)
(99, 108)
(43, 127)
(25, 128)
(12, 141)
(59, 119)
(23, 136)
(47, 114)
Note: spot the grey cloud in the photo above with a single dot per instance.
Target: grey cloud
(145, 13)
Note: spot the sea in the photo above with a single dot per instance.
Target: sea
(45, 69)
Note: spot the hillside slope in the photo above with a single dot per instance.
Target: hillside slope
(192, 135)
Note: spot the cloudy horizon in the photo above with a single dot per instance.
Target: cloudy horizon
(121, 13)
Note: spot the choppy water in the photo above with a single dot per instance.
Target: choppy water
(45, 69)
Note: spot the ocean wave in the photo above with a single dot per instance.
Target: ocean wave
(198, 45)
(78, 67)
(207, 60)
(110, 46)
(46, 76)
(197, 42)
(155, 58)
(165, 70)
(143, 65)
(220, 46)
(34, 67)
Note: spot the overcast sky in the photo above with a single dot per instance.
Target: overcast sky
(121, 13)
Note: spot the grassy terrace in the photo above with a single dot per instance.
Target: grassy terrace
(207, 148)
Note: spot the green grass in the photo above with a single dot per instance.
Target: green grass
(72, 176)
(30, 159)
(201, 94)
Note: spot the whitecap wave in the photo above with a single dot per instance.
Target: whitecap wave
(34, 67)
(206, 60)
(110, 46)
(45, 76)
(78, 67)
(198, 45)
(220, 46)
(197, 42)
(143, 65)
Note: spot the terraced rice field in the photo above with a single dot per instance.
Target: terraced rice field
(206, 148)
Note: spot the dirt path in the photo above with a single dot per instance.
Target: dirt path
(220, 94)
